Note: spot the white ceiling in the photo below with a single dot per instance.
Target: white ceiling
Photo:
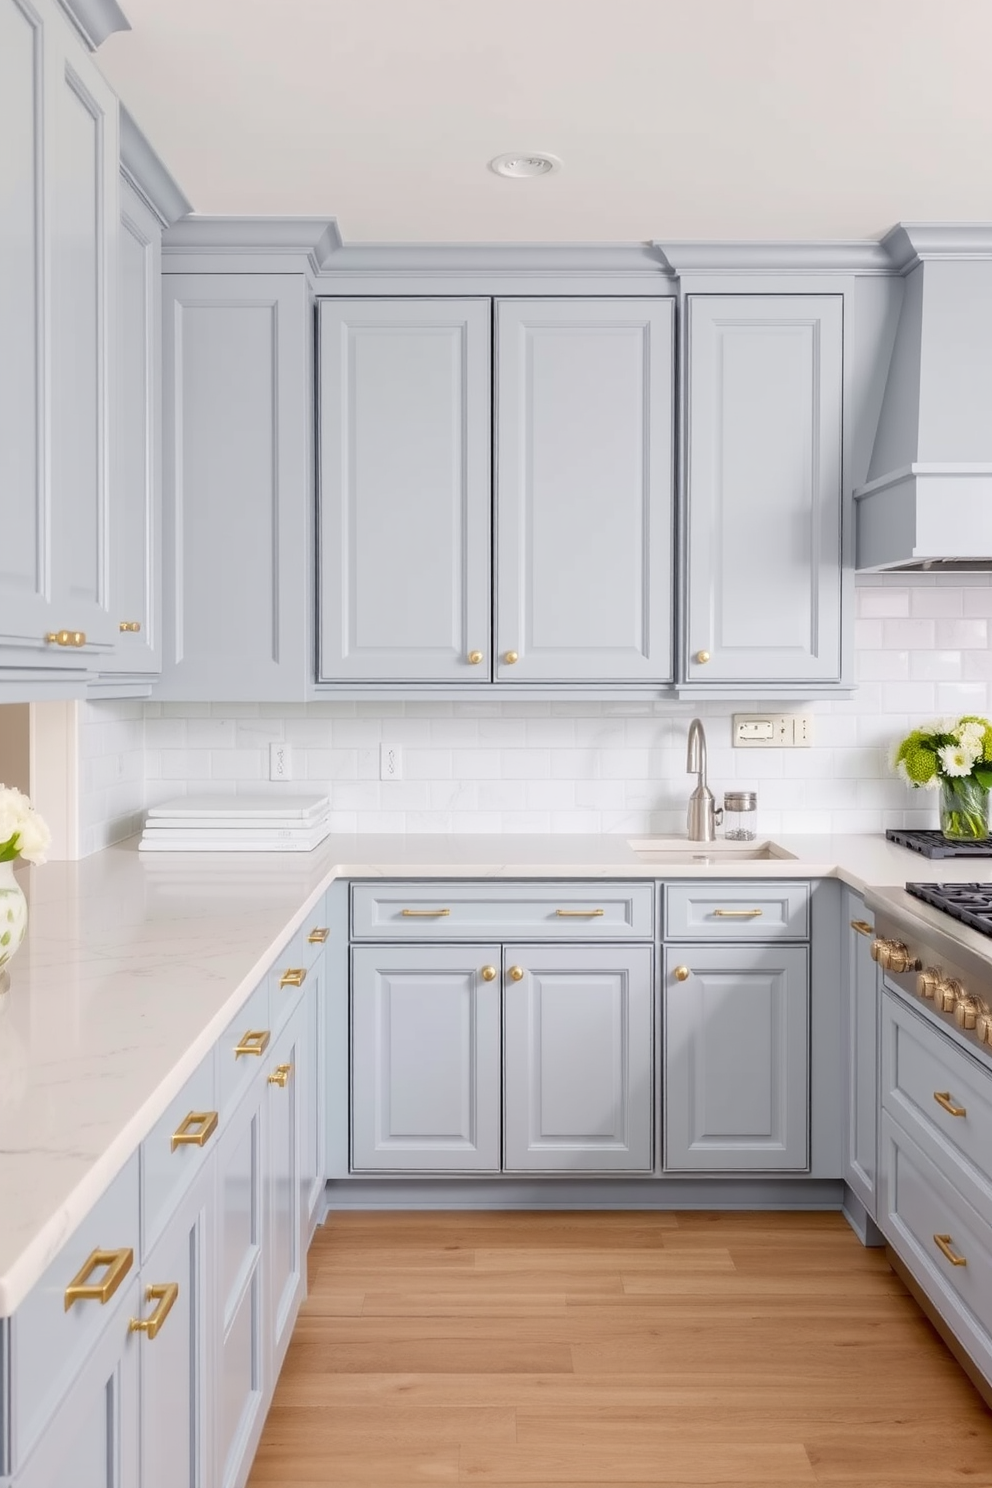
(673, 118)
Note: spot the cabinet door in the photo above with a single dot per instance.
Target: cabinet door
(763, 483)
(177, 1375)
(584, 490)
(405, 484)
(736, 1044)
(236, 486)
(92, 1439)
(136, 516)
(578, 1081)
(312, 1102)
(425, 1059)
(239, 1317)
(860, 1055)
(285, 1198)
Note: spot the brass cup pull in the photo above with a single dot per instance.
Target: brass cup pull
(511, 657)
(702, 657)
(579, 914)
(516, 973)
(66, 638)
(280, 1075)
(165, 1295)
(424, 914)
(318, 937)
(474, 657)
(943, 1244)
(681, 973)
(255, 1041)
(943, 1098)
(862, 927)
(195, 1130)
(130, 627)
(488, 973)
(738, 914)
(81, 1289)
(295, 976)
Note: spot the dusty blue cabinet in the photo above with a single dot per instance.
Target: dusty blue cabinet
(584, 490)
(763, 474)
(860, 1024)
(285, 1195)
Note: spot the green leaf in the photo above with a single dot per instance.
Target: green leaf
(9, 850)
(984, 778)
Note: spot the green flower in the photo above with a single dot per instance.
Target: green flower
(920, 762)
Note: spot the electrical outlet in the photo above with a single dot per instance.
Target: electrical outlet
(280, 762)
(390, 762)
(772, 730)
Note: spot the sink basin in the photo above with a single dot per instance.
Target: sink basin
(681, 850)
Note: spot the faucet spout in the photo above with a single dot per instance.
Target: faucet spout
(704, 815)
(695, 761)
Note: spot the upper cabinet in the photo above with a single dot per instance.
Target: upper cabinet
(58, 294)
(763, 461)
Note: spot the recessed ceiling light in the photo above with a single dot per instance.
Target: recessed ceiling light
(525, 167)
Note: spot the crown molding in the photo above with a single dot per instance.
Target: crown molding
(149, 177)
(95, 20)
(911, 243)
(775, 258)
(507, 260)
(256, 244)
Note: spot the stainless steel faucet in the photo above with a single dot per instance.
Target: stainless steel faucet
(704, 814)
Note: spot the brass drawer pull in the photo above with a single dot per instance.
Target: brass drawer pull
(66, 638)
(165, 1295)
(205, 1123)
(130, 627)
(579, 914)
(943, 1244)
(295, 976)
(943, 1098)
(255, 1041)
(738, 914)
(318, 937)
(418, 914)
(862, 927)
(81, 1289)
(280, 1075)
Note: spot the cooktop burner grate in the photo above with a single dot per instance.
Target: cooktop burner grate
(933, 844)
(969, 903)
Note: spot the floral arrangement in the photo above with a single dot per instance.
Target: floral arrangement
(954, 756)
(23, 833)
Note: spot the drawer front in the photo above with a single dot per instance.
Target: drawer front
(929, 1221)
(50, 1343)
(737, 910)
(933, 1089)
(175, 1150)
(465, 911)
(250, 1030)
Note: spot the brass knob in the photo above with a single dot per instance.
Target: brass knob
(898, 958)
(66, 638)
(280, 1075)
(130, 626)
(681, 973)
(877, 948)
(511, 657)
(966, 1013)
(488, 973)
(946, 995)
(983, 1025)
(928, 981)
(475, 657)
(516, 973)
(702, 657)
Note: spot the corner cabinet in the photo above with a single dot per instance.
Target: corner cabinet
(762, 474)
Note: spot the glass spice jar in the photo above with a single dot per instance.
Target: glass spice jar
(740, 816)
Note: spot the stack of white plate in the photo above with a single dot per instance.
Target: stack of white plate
(236, 824)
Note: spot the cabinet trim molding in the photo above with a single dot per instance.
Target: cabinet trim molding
(95, 20)
(143, 169)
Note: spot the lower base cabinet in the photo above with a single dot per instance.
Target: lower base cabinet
(736, 1040)
(860, 1034)
(285, 1192)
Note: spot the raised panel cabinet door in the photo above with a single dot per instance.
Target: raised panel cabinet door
(736, 1041)
(860, 1054)
(285, 1199)
(578, 1067)
(136, 491)
(425, 1058)
(178, 1379)
(584, 490)
(404, 490)
(236, 487)
(763, 488)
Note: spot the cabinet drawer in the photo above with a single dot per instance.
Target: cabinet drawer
(918, 1205)
(175, 1150)
(918, 1066)
(250, 1030)
(737, 910)
(50, 1343)
(465, 911)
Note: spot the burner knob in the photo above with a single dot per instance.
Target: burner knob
(878, 948)
(947, 994)
(928, 981)
(983, 1024)
(898, 958)
(966, 1013)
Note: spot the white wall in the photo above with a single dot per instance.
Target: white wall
(111, 773)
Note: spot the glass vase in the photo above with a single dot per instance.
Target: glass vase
(964, 810)
(13, 919)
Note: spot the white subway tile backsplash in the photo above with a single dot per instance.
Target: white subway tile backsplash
(964, 635)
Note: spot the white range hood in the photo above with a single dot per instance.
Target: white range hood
(927, 502)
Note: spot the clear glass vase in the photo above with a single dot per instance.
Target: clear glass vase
(13, 919)
(964, 810)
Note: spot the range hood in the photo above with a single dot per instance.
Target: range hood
(927, 502)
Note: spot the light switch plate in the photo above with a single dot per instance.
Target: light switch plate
(390, 762)
(772, 730)
(280, 762)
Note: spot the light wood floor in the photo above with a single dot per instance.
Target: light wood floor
(563, 1349)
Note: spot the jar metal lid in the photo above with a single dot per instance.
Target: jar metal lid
(740, 801)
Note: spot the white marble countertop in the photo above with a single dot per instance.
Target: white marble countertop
(134, 964)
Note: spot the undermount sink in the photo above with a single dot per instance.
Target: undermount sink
(681, 850)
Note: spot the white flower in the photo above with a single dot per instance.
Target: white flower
(18, 819)
(955, 760)
(34, 839)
